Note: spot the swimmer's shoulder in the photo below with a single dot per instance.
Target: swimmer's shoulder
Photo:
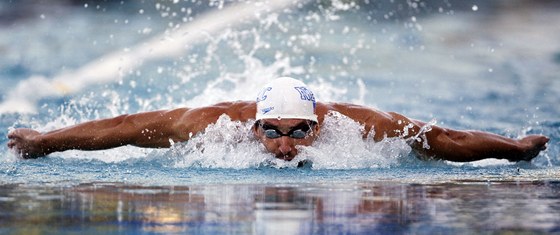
(197, 119)
(359, 113)
(237, 110)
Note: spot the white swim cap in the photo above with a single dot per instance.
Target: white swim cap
(286, 97)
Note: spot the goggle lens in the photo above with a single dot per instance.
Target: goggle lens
(298, 132)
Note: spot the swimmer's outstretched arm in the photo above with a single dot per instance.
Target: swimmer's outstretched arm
(156, 129)
(445, 144)
(464, 146)
(150, 129)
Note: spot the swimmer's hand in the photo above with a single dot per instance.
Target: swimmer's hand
(25, 143)
(531, 146)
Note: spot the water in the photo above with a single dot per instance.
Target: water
(486, 66)
(335, 208)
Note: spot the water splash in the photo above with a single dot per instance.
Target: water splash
(114, 66)
(225, 144)
(231, 144)
(421, 135)
(341, 146)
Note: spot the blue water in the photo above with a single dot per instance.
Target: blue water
(484, 66)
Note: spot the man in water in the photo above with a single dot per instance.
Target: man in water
(285, 115)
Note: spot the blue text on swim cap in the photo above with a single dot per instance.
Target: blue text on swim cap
(266, 110)
(261, 96)
(306, 94)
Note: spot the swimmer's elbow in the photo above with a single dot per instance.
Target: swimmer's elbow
(446, 144)
(157, 131)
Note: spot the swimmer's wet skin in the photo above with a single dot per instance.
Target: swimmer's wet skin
(286, 115)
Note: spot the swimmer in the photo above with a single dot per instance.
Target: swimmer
(285, 115)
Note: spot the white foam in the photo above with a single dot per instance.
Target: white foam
(229, 144)
(341, 146)
(225, 144)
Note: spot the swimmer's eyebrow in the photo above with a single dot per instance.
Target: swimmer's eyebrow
(302, 125)
(269, 126)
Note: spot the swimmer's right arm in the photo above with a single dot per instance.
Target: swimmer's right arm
(151, 129)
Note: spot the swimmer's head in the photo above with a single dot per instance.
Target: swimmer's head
(286, 98)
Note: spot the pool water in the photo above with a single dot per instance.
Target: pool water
(478, 65)
(294, 208)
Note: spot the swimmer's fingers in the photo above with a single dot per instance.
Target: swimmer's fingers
(537, 141)
(21, 142)
(21, 133)
(10, 143)
(14, 146)
(533, 144)
(13, 134)
(14, 138)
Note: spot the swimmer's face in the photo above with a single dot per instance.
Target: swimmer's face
(280, 137)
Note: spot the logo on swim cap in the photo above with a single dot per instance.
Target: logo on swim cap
(286, 97)
(266, 110)
(306, 94)
(262, 95)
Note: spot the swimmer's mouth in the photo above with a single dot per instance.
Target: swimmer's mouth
(300, 163)
(285, 157)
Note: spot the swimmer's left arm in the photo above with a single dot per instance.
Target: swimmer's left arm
(463, 146)
(149, 129)
(157, 129)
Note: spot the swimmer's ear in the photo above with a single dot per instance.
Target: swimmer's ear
(255, 128)
(316, 129)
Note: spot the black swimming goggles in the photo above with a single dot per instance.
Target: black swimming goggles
(298, 132)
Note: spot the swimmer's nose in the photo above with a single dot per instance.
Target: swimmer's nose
(285, 145)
